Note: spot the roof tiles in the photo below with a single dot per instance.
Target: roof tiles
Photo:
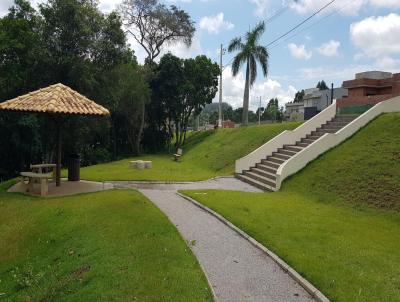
(56, 98)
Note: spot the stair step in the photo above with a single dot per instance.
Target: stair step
(327, 130)
(286, 151)
(307, 140)
(264, 173)
(335, 123)
(276, 160)
(270, 164)
(260, 178)
(293, 148)
(346, 117)
(302, 144)
(281, 155)
(317, 133)
(266, 168)
(331, 127)
(313, 137)
(254, 182)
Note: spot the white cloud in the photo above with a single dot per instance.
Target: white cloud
(385, 3)
(329, 49)
(233, 88)
(387, 63)
(261, 7)
(178, 49)
(377, 36)
(4, 5)
(299, 51)
(106, 6)
(347, 72)
(346, 7)
(181, 50)
(215, 24)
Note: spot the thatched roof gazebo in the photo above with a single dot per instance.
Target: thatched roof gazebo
(56, 100)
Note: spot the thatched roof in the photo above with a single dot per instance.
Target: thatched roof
(56, 98)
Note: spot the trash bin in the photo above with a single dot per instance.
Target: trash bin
(74, 166)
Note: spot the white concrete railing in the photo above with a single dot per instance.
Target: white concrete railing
(287, 137)
(330, 140)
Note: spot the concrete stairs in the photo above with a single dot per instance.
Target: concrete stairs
(263, 174)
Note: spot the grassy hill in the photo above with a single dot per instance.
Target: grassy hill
(337, 221)
(364, 169)
(205, 155)
(108, 246)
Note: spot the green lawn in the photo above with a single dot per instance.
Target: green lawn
(106, 246)
(337, 222)
(205, 155)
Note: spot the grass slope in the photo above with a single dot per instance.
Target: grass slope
(328, 222)
(107, 246)
(205, 155)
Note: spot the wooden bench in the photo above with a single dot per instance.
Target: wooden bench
(178, 154)
(42, 178)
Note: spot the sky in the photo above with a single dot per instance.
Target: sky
(347, 37)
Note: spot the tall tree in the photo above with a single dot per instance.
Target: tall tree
(153, 24)
(183, 87)
(167, 87)
(249, 53)
(298, 97)
(322, 85)
(272, 112)
(201, 86)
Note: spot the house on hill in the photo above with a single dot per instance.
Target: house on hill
(367, 89)
(294, 111)
(314, 101)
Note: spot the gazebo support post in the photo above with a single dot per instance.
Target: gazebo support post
(58, 155)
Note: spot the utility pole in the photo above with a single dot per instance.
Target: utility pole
(221, 53)
(259, 113)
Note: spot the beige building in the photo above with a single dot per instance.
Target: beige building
(294, 111)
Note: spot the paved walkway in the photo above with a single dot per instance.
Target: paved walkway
(236, 269)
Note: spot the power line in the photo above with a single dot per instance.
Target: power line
(301, 23)
(293, 28)
(276, 15)
(311, 25)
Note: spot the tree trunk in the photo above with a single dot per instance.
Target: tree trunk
(245, 116)
(114, 137)
(197, 123)
(140, 130)
(58, 155)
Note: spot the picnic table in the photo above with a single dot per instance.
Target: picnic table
(42, 178)
(44, 168)
(39, 175)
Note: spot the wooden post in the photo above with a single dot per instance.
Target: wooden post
(58, 154)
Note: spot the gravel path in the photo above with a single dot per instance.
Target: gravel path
(237, 270)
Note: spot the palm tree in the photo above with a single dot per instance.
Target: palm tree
(250, 53)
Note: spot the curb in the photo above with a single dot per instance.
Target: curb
(160, 182)
(311, 289)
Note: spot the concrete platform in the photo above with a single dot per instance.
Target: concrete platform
(67, 188)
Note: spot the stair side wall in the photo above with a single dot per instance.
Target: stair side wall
(330, 140)
(287, 137)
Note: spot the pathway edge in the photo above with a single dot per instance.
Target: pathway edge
(215, 298)
(311, 289)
